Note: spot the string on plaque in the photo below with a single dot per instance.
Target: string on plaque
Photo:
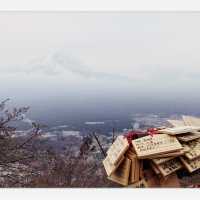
(131, 135)
(152, 131)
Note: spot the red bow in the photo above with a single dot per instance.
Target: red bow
(152, 131)
(131, 135)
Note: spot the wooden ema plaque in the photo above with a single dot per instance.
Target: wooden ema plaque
(179, 130)
(187, 137)
(167, 155)
(109, 167)
(191, 165)
(176, 123)
(121, 174)
(135, 167)
(169, 167)
(191, 121)
(117, 149)
(194, 151)
(174, 154)
(157, 144)
(161, 160)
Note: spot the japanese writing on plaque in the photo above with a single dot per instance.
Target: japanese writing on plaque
(161, 143)
(117, 150)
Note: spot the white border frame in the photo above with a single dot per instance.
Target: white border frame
(99, 5)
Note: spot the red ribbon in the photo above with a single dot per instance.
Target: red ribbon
(131, 135)
(152, 131)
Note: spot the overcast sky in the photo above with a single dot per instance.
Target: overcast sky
(85, 57)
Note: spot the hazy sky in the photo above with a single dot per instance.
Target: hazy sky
(93, 58)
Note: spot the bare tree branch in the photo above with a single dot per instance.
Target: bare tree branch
(100, 146)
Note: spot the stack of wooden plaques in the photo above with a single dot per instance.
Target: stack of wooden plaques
(179, 130)
(163, 154)
(191, 139)
(121, 164)
(161, 150)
